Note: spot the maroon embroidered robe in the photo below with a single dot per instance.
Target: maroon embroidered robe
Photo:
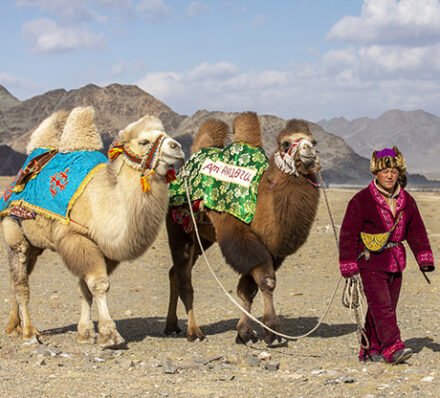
(369, 212)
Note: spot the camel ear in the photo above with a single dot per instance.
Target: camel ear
(48, 132)
(80, 132)
(146, 123)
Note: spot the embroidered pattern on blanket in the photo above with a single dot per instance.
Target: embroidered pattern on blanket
(53, 191)
(225, 179)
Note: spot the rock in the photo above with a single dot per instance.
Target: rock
(271, 365)
(126, 363)
(253, 361)
(264, 356)
(45, 351)
(189, 364)
(375, 369)
(428, 378)
(168, 366)
(227, 378)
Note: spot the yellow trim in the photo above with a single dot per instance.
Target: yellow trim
(29, 206)
(81, 188)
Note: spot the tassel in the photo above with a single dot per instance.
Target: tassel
(145, 181)
(115, 150)
(170, 176)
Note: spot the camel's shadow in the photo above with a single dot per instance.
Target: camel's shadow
(138, 329)
(418, 343)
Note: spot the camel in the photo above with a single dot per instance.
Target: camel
(286, 206)
(116, 217)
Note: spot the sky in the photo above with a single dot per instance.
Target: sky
(311, 59)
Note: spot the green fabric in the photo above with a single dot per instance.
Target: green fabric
(240, 162)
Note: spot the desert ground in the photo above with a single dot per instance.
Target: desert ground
(324, 364)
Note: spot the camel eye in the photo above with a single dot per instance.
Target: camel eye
(285, 146)
(144, 142)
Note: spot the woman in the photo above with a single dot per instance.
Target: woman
(381, 207)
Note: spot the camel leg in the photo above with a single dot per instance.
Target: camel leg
(22, 260)
(83, 257)
(172, 324)
(184, 252)
(264, 276)
(246, 290)
(86, 329)
(186, 293)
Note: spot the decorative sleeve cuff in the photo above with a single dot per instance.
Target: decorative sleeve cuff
(425, 258)
(348, 268)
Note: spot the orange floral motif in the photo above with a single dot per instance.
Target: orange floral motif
(56, 181)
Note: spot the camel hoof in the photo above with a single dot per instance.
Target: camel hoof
(14, 331)
(244, 336)
(110, 338)
(172, 329)
(193, 334)
(270, 337)
(86, 338)
(86, 333)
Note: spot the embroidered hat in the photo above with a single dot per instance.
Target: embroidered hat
(388, 157)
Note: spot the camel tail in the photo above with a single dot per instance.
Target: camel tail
(48, 132)
(80, 132)
(247, 129)
(211, 133)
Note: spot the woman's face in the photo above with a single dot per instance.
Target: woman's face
(387, 178)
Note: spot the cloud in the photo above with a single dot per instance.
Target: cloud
(342, 84)
(404, 22)
(47, 36)
(154, 10)
(258, 21)
(196, 8)
(20, 88)
(71, 11)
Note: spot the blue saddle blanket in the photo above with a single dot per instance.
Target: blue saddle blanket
(57, 185)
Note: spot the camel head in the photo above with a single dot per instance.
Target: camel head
(148, 148)
(296, 153)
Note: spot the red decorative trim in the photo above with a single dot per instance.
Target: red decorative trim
(389, 351)
(425, 257)
(348, 268)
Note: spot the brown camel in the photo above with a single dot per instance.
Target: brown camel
(285, 209)
(114, 218)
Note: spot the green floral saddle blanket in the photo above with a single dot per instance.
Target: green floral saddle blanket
(225, 179)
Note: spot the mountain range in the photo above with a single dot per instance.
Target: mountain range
(118, 105)
(416, 134)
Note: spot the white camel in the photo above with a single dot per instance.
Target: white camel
(116, 218)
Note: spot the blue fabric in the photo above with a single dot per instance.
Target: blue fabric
(55, 185)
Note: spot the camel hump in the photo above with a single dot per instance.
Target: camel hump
(80, 132)
(146, 123)
(247, 129)
(48, 132)
(211, 133)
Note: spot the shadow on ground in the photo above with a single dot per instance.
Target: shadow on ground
(418, 343)
(137, 329)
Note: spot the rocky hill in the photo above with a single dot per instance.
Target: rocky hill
(116, 106)
(416, 133)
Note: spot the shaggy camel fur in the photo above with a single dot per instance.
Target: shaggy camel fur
(286, 208)
(113, 220)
